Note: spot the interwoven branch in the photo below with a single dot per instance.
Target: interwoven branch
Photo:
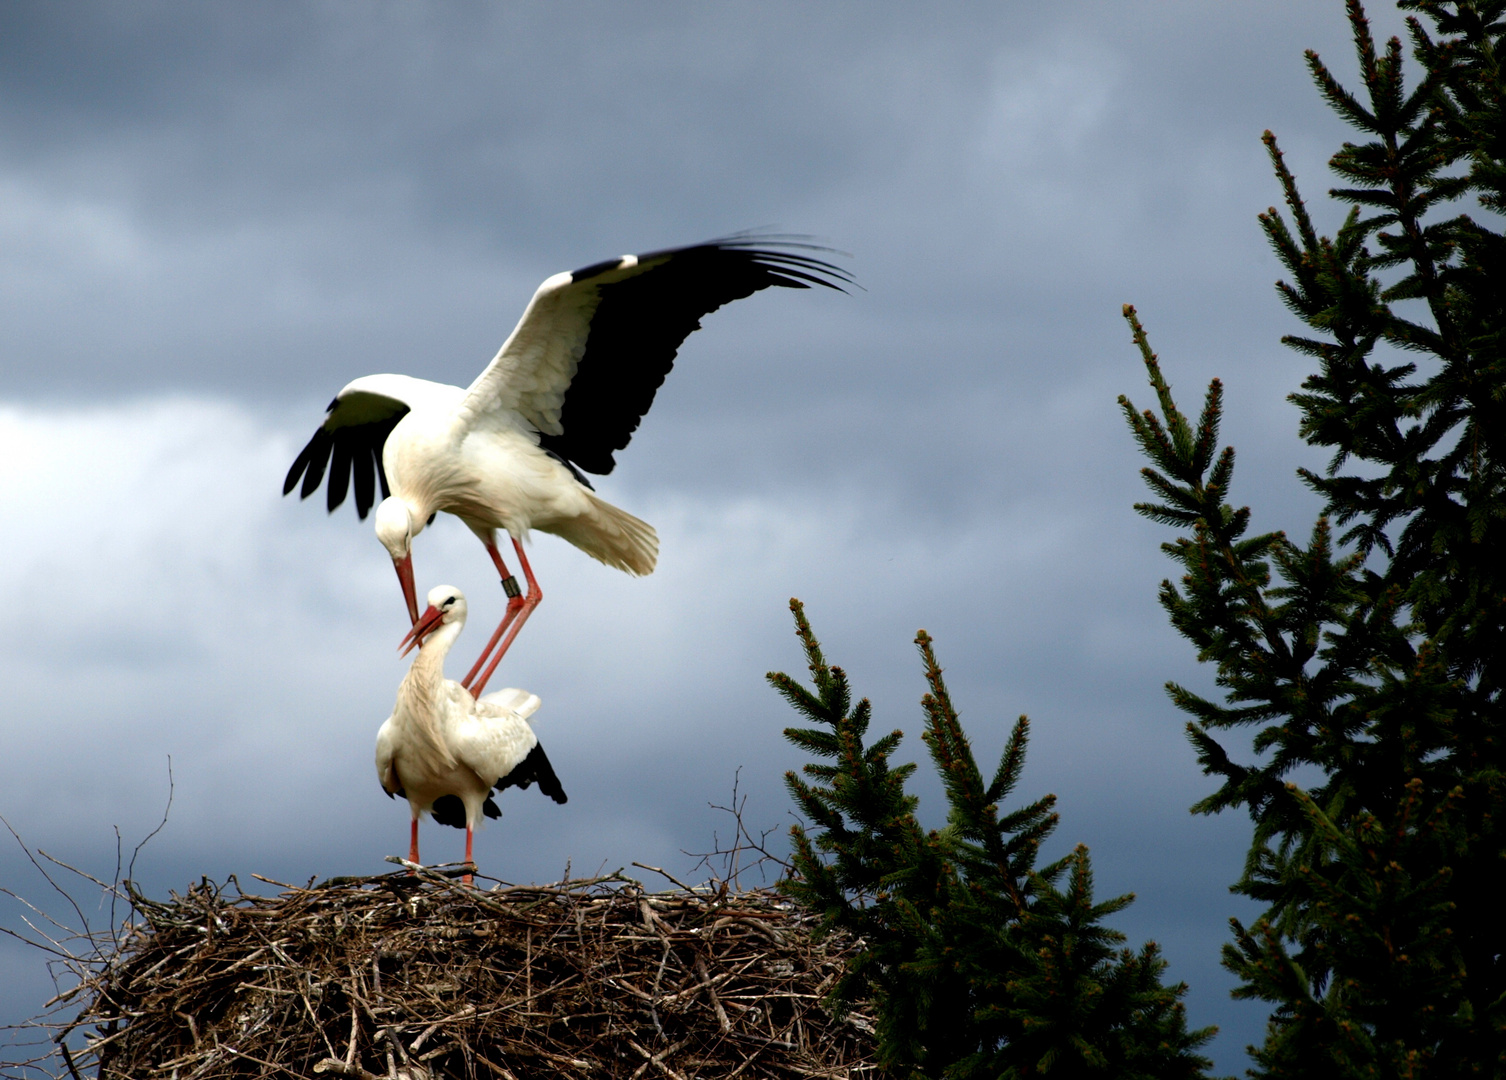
(415, 976)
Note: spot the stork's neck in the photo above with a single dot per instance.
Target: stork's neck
(420, 693)
(431, 654)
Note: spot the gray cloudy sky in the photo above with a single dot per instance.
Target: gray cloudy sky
(213, 216)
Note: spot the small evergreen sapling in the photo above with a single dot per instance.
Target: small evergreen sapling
(979, 963)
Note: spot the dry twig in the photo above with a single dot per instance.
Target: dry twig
(417, 976)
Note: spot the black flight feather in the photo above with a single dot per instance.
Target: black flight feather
(641, 321)
(339, 472)
(365, 485)
(318, 451)
(349, 453)
(300, 463)
(596, 269)
(382, 474)
(580, 477)
(534, 768)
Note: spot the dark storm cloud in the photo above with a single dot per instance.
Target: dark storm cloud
(327, 190)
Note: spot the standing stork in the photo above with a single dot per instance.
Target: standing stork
(563, 394)
(443, 750)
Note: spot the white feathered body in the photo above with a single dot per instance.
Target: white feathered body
(589, 352)
(441, 741)
(488, 470)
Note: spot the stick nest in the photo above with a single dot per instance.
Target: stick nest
(412, 977)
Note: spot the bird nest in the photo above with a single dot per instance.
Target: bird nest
(416, 976)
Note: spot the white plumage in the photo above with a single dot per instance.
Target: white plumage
(443, 750)
(563, 394)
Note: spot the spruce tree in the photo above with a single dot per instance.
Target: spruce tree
(979, 963)
(1374, 658)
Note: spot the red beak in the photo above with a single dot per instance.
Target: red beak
(425, 625)
(404, 568)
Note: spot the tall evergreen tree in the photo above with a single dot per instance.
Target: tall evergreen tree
(981, 965)
(1374, 659)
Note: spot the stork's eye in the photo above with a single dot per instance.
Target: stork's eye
(448, 602)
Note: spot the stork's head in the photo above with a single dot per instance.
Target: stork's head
(446, 608)
(396, 526)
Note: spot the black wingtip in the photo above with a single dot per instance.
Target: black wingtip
(549, 784)
(339, 475)
(535, 767)
(352, 455)
(300, 463)
(595, 269)
(362, 473)
(643, 315)
(781, 254)
(319, 450)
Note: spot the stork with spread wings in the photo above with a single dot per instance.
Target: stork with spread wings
(564, 393)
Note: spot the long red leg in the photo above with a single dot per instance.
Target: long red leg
(413, 844)
(470, 833)
(514, 605)
(531, 601)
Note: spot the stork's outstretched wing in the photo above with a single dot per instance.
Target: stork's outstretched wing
(349, 443)
(593, 347)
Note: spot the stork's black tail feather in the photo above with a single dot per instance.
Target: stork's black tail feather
(535, 767)
(449, 810)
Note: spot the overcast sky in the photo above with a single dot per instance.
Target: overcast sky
(213, 216)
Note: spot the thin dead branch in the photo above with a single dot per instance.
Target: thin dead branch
(728, 863)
